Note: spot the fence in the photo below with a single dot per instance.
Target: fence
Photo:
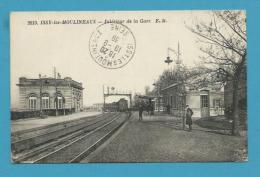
(23, 114)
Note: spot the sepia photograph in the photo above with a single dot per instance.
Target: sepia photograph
(128, 86)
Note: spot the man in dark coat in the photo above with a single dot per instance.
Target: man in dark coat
(150, 107)
(141, 108)
(189, 113)
(168, 109)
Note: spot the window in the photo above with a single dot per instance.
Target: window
(182, 101)
(60, 103)
(45, 103)
(174, 101)
(217, 103)
(204, 101)
(32, 102)
(78, 105)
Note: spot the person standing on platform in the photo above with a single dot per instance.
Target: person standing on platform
(189, 113)
(168, 109)
(141, 108)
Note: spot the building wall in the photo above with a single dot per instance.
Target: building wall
(73, 96)
(76, 99)
(172, 98)
(216, 110)
(26, 91)
(159, 104)
(193, 99)
(23, 101)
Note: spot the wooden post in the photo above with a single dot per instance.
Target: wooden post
(104, 99)
(40, 95)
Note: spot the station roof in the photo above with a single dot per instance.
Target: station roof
(67, 81)
(170, 86)
(148, 97)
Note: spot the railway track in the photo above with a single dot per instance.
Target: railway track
(28, 139)
(23, 134)
(73, 146)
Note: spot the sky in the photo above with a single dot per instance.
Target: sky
(36, 49)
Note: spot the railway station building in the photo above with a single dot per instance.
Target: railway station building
(205, 102)
(48, 93)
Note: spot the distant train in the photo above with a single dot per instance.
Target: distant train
(119, 106)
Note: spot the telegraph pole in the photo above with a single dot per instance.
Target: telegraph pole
(181, 89)
(56, 90)
(40, 77)
(104, 98)
(181, 93)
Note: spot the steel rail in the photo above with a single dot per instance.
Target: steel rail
(28, 142)
(16, 134)
(62, 140)
(76, 140)
(86, 152)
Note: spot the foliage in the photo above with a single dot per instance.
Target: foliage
(223, 43)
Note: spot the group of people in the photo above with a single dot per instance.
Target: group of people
(143, 106)
(188, 113)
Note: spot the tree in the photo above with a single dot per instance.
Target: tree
(223, 42)
(171, 76)
(147, 90)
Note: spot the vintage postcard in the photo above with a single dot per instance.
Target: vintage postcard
(128, 86)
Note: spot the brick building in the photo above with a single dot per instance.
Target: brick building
(48, 93)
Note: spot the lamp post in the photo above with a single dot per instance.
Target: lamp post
(180, 88)
(56, 93)
(168, 60)
(56, 98)
(63, 105)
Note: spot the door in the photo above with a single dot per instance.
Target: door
(204, 100)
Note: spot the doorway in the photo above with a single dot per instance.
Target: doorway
(204, 102)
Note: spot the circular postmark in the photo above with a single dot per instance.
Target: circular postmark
(112, 45)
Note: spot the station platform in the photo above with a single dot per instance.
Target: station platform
(159, 117)
(160, 138)
(30, 123)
